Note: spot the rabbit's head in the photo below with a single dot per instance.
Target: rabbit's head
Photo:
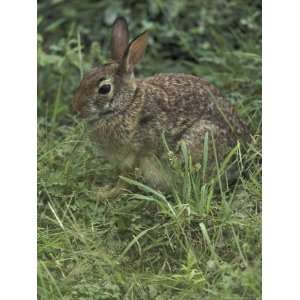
(108, 89)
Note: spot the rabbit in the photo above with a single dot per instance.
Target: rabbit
(127, 116)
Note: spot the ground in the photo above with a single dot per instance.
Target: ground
(202, 240)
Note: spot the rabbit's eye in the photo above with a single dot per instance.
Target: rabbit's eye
(104, 89)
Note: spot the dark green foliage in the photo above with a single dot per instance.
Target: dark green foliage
(198, 242)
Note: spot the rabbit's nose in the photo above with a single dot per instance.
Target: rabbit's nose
(79, 111)
(75, 112)
(77, 105)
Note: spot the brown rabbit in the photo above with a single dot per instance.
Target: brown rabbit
(128, 115)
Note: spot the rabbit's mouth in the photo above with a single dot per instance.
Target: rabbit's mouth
(105, 111)
(103, 114)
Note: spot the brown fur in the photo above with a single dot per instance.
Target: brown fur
(185, 107)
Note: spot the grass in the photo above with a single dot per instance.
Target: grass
(200, 241)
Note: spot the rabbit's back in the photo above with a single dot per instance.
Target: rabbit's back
(175, 102)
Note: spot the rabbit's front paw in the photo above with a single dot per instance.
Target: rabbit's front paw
(108, 192)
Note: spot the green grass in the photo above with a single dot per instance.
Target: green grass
(200, 241)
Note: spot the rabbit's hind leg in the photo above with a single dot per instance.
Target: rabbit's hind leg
(194, 138)
(218, 147)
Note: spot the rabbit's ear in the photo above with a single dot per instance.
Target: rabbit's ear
(120, 38)
(134, 52)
